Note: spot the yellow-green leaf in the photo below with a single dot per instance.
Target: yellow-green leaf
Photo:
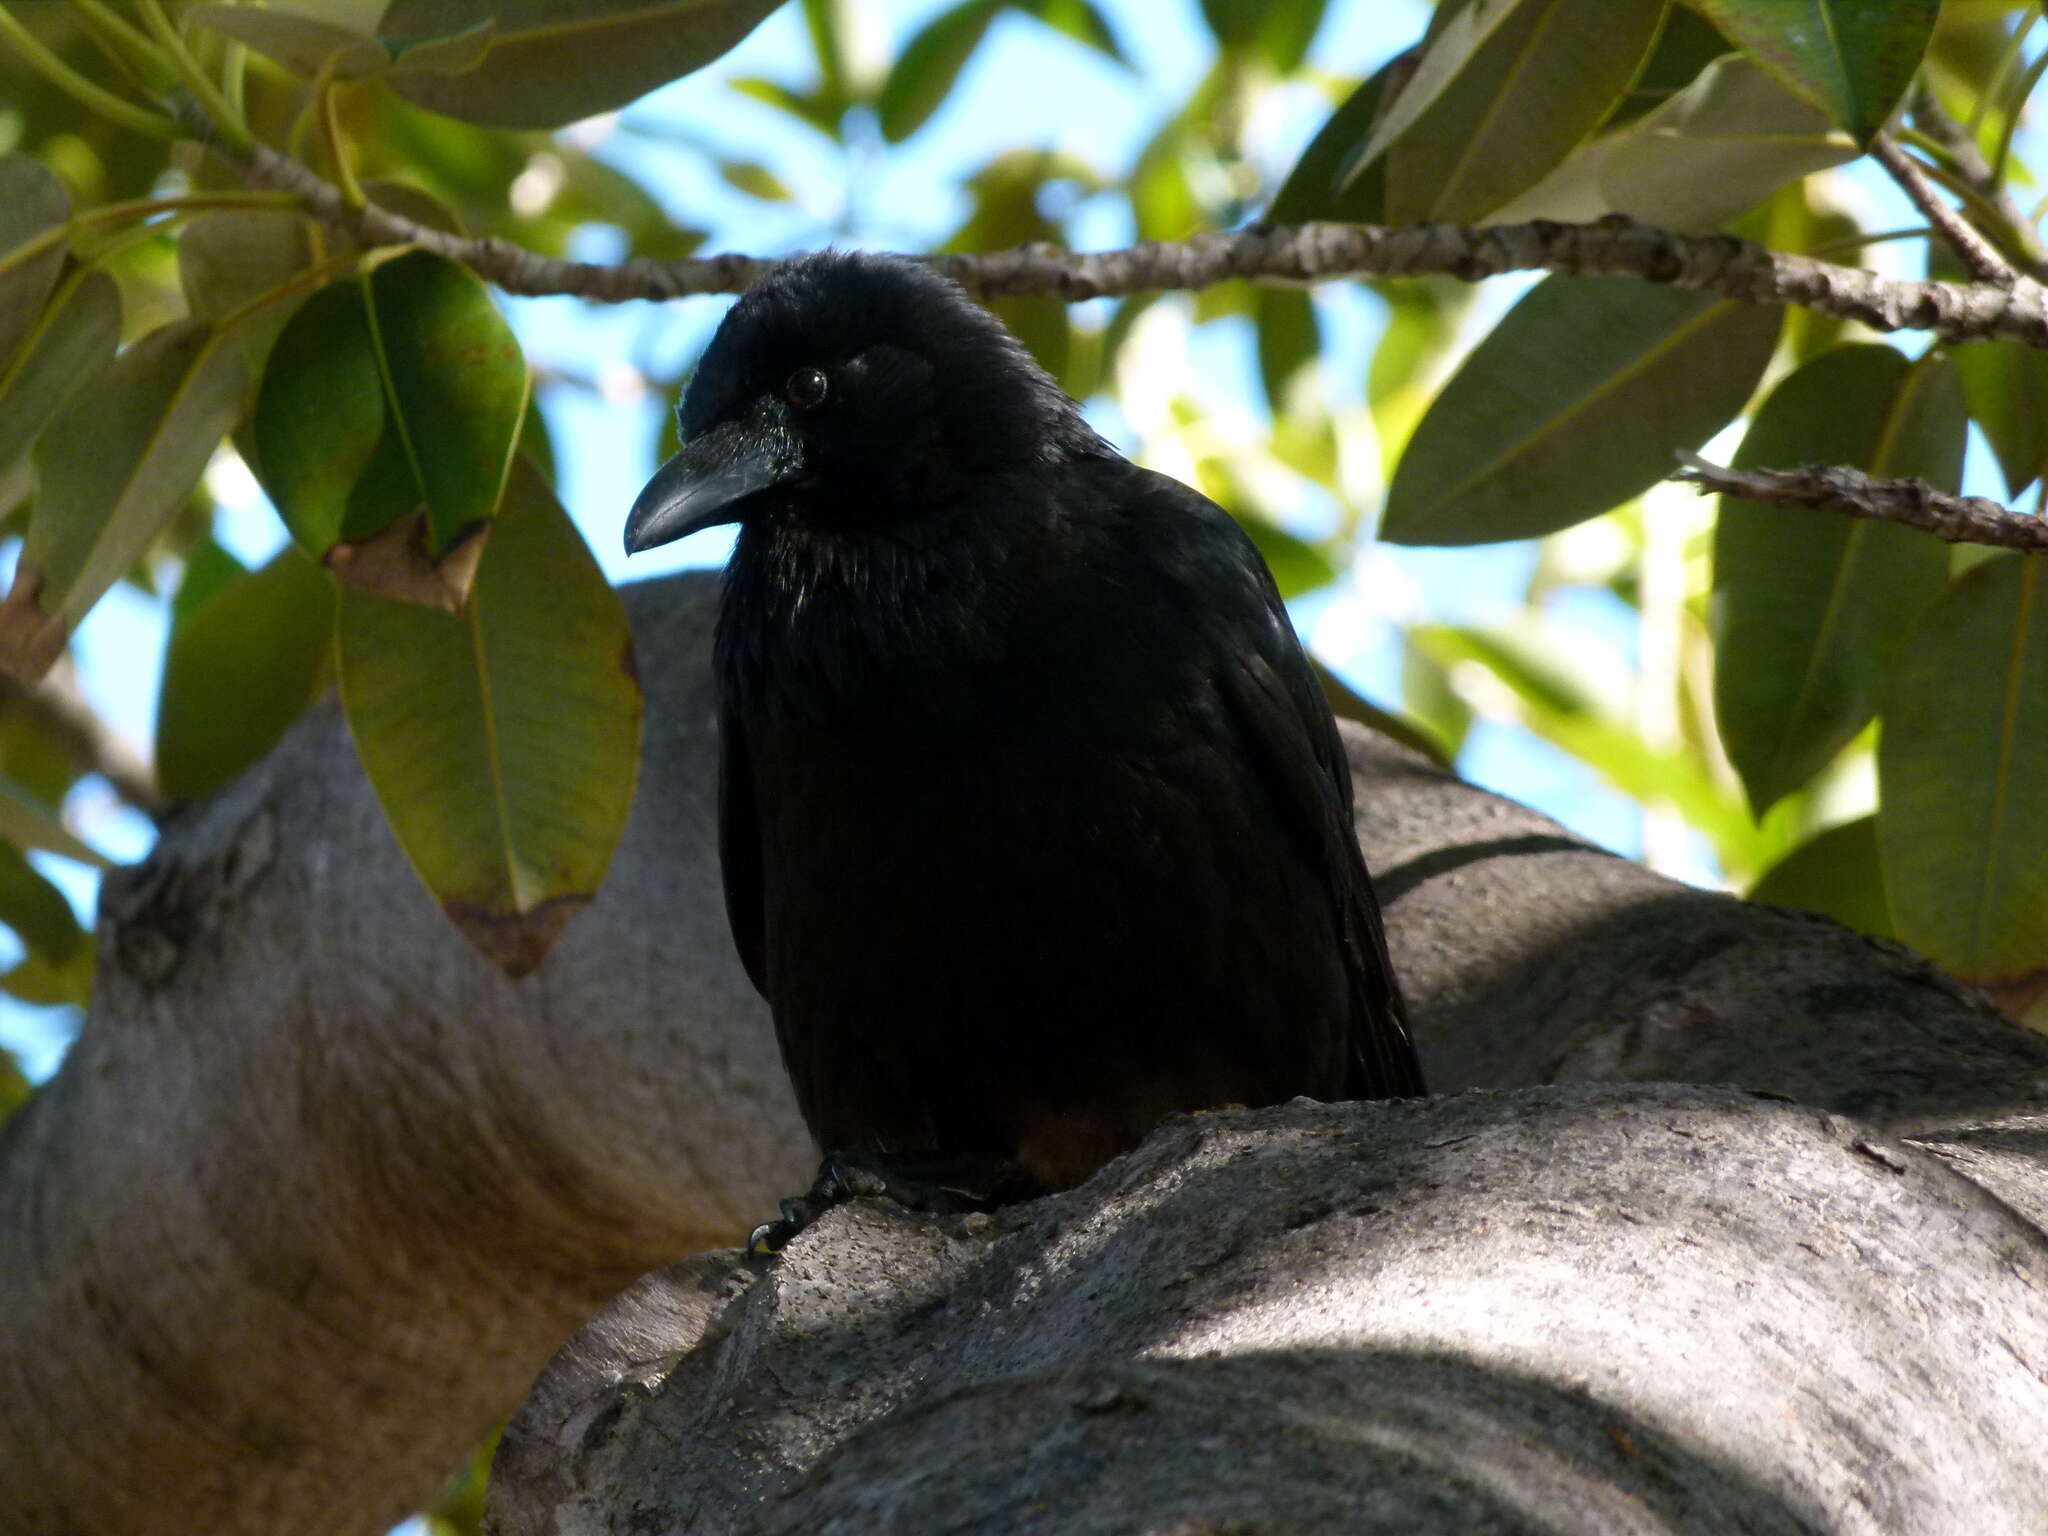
(33, 204)
(504, 742)
(246, 656)
(112, 471)
(1577, 401)
(1962, 825)
(1835, 873)
(73, 341)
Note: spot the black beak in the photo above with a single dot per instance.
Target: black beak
(706, 484)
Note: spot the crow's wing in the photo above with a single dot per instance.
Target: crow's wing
(739, 848)
(1269, 692)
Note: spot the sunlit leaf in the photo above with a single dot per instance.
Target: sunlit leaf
(754, 179)
(1081, 20)
(32, 204)
(2007, 388)
(1835, 873)
(1575, 402)
(113, 469)
(503, 742)
(1812, 607)
(1962, 827)
(620, 49)
(1850, 58)
(1289, 339)
(248, 653)
(1539, 85)
(72, 341)
(1278, 32)
(929, 64)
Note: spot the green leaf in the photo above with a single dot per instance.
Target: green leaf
(1721, 145)
(28, 822)
(1850, 58)
(1811, 607)
(620, 49)
(1312, 189)
(754, 179)
(1962, 828)
(36, 910)
(50, 984)
(2007, 388)
(1083, 22)
(1455, 39)
(73, 341)
(504, 742)
(924, 73)
(1276, 31)
(1539, 85)
(395, 393)
(248, 653)
(311, 47)
(1577, 401)
(114, 468)
(1289, 340)
(1836, 874)
(33, 204)
(14, 1086)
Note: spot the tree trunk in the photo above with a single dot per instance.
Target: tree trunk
(318, 1190)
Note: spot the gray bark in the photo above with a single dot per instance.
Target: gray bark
(318, 1191)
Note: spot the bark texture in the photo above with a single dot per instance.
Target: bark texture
(318, 1191)
(1583, 1309)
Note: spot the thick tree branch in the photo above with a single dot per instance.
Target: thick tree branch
(1977, 254)
(1912, 502)
(1611, 247)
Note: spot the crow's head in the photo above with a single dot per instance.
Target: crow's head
(846, 386)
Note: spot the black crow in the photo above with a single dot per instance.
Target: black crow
(1035, 825)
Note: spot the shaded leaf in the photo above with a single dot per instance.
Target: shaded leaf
(1713, 151)
(113, 470)
(32, 204)
(36, 910)
(1575, 402)
(929, 64)
(1962, 827)
(1347, 703)
(1317, 188)
(503, 743)
(50, 984)
(1278, 32)
(1289, 340)
(1297, 565)
(1851, 58)
(621, 50)
(304, 44)
(14, 1086)
(28, 822)
(228, 259)
(2007, 390)
(1810, 608)
(248, 653)
(72, 341)
(386, 423)
(1539, 85)
(1836, 874)
(754, 179)
(1455, 40)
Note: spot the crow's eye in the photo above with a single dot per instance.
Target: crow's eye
(805, 388)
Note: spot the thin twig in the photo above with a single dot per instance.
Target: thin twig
(1932, 119)
(1912, 503)
(1980, 259)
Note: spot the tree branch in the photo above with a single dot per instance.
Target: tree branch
(1976, 253)
(1932, 119)
(1912, 502)
(1611, 247)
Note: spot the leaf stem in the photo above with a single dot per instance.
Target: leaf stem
(38, 57)
(226, 122)
(337, 149)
